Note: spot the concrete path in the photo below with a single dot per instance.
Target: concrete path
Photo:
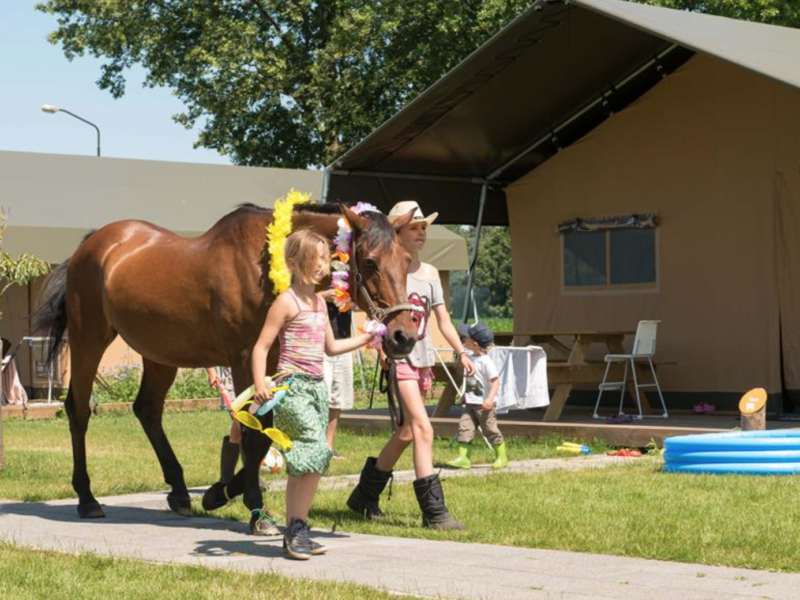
(138, 526)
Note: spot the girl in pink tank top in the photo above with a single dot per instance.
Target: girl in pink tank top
(299, 320)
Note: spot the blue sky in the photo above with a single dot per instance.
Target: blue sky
(34, 72)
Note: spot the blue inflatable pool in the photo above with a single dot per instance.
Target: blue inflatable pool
(744, 452)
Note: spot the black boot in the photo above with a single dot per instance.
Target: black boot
(216, 496)
(431, 501)
(364, 499)
(228, 459)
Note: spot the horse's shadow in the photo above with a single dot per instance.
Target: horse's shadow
(130, 516)
(118, 515)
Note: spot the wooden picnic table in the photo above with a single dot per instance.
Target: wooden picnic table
(566, 364)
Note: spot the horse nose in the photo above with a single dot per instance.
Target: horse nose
(403, 344)
(400, 338)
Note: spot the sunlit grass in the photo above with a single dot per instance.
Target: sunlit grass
(35, 574)
(121, 460)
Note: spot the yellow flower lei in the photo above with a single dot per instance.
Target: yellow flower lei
(277, 232)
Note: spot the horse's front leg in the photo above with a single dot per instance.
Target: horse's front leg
(149, 409)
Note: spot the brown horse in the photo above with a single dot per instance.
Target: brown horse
(196, 302)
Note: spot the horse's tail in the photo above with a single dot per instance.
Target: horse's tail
(50, 318)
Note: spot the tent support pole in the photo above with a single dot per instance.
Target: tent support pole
(326, 180)
(474, 259)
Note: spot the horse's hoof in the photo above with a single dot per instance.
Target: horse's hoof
(180, 504)
(215, 497)
(91, 510)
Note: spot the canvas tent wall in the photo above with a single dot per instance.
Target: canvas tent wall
(714, 153)
(54, 200)
(569, 83)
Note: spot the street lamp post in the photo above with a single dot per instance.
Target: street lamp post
(49, 108)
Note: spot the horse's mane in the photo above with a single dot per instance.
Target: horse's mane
(379, 235)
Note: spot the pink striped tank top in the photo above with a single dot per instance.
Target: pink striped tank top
(303, 340)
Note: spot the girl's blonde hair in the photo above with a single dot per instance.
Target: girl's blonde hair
(301, 253)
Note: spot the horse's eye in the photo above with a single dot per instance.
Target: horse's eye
(370, 265)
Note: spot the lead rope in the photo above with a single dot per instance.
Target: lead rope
(388, 386)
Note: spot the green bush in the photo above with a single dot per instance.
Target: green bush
(364, 377)
(191, 383)
(122, 385)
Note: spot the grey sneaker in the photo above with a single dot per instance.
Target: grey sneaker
(296, 542)
(263, 523)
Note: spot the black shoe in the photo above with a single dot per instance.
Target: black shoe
(365, 497)
(431, 501)
(296, 542)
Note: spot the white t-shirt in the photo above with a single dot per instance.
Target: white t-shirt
(423, 295)
(479, 384)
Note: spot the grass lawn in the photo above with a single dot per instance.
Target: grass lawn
(121, 460)
(35, 574)
(631, 510)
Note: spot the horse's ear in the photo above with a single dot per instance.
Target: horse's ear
(401, 222)
(357, 222)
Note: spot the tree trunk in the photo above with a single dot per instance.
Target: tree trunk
(756, 421)
(753, 407)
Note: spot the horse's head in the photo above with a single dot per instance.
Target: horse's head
(381, 266)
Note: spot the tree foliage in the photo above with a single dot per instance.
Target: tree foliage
(20, 270)
(774, 12)
(284, 83)
(292, 83)
(492, 284)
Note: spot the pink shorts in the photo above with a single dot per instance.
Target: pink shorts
(422, 375)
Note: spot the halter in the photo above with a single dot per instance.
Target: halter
(375, 312)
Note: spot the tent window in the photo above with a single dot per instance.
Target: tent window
(632, 256)
(585, 259)
(610, 259)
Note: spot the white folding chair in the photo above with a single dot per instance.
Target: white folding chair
(644, 349)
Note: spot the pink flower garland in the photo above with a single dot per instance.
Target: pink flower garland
(340, 277)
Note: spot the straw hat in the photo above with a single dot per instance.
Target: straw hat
(402, 208)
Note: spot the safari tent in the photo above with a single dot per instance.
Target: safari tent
(647, 162)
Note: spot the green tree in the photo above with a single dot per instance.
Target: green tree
(18, 271)
(774, 12)
(492, 285)
(292, 83)
(284, 83)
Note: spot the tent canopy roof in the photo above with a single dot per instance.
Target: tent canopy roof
(53, 200)
(547, 79)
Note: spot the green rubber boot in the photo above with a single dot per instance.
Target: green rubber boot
(501, 460)
(462, 462)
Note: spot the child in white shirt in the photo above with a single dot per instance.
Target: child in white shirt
(479, 399)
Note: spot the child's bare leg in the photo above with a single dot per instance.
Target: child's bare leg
(235, 435)
(333, 422)
(300, 493)
(417, 428)
(394, 448)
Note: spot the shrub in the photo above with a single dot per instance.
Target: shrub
(122, 385)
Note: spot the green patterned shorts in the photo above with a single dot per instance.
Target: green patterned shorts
(303, 416)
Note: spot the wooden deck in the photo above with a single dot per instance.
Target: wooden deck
(575, 424)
